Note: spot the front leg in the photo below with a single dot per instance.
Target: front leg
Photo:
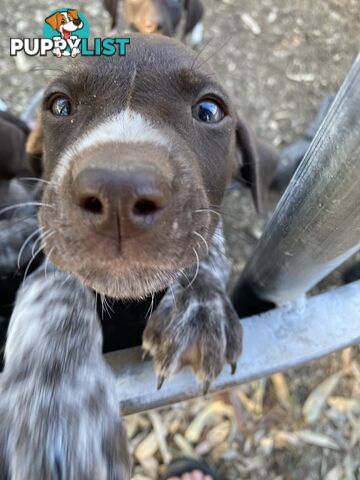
(59, 413)
(195, 323)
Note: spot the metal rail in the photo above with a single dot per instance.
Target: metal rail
(274, 341)
(316, 225)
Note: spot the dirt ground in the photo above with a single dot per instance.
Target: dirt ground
(278, 59)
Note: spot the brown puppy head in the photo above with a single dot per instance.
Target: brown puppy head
(65, 22)
(157, 16)
(138, 151)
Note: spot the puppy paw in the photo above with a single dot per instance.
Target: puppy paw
(75, 52)
(199, 328)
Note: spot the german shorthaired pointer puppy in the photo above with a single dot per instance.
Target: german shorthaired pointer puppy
(138, 151)
(161, 16)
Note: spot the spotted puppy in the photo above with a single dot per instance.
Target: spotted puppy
(138, 151)
(161, 16)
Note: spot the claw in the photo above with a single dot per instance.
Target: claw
(206, 386)
(233, 368)
(160, 381)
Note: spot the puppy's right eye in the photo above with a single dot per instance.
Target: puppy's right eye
(61, 107)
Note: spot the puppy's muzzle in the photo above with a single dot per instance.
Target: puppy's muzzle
(121, 203)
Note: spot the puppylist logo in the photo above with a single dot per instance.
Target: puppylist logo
(66, 33)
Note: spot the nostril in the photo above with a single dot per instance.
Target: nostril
(91, 204)
(145, 207)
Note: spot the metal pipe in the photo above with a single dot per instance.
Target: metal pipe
(316, 225)
(274, 341)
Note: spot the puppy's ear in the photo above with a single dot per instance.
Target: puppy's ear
(111, 6)
(53, 20)
(73, 13)
(256, 163)
(194, 13)
(34, 148)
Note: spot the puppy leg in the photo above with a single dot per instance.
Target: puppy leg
(196, 324)
(59, 413)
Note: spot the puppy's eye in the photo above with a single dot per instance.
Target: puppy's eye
(61, 107)
(208, 111)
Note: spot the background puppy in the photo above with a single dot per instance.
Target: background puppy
(161, 16)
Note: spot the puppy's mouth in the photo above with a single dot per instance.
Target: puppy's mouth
(69, 29)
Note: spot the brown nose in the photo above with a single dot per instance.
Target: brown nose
(152, 26)
(121, 204)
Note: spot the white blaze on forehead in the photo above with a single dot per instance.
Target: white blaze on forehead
(126, 127)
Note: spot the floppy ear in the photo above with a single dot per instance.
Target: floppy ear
(34, 148)
(53, 21)
(256, 163)
(111, 6)
(194, 13)
(73, 13)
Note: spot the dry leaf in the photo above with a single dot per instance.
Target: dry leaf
(160, 432)
(246, 401)
(184, 446)
(196, 427)
(318, 397)
(317, 439)
(344, 404)
(131, 423)
(284, 439)
(150, 465)
(281, 389)
(147, 447)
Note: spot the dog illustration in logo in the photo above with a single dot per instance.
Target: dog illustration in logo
(66, 23)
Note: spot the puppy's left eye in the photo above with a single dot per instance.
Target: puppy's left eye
(61, 107)
(208, 111)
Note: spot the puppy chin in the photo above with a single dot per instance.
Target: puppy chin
(135, 286)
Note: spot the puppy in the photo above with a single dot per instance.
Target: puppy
(161, 16)
(138, 151)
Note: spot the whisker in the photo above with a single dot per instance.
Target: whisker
(38, 230)
(197, 268)
(31, 261)
(203, 239)
(47, 259)
(151, 307)
(33, 179)
(173, 295)
(25, 204)
(208, 210)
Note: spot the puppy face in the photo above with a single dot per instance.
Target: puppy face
(154, 16)
(138, 151)
(65, 22)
